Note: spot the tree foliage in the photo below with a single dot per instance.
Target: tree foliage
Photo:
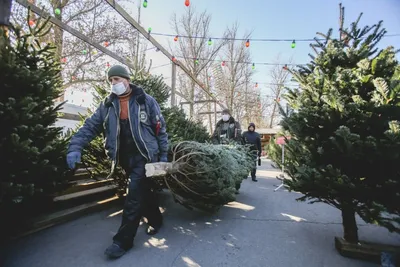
(32, 150)
(345, 137)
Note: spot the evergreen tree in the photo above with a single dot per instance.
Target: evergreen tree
(345, 135)
(32, 152)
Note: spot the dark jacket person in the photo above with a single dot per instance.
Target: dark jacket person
(252, 138)
(227, 130)
(135, 134)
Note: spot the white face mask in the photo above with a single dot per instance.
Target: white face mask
(225, 117)
(118, 88)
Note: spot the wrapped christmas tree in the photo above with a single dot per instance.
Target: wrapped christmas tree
(204, 176)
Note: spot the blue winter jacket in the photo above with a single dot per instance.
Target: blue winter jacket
(143, 123)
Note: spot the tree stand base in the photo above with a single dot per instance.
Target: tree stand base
(366, 251)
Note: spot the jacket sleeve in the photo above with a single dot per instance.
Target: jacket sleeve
(238, 134)
(259, 145)
(91, 128)
(215, 137)
(244, 138)
(162, 137)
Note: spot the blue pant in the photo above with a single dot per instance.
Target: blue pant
(140, 202)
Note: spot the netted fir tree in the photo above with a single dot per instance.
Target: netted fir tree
(345, 136)
(32, 151)
(179, 128)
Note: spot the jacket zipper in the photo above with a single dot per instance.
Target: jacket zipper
(140, 134)
(134, 139)
(117, 139)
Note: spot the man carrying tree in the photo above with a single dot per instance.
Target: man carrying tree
(227, 130)
(135, 134)
(252, 138)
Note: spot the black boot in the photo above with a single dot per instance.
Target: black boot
(152, 230)
(254, 179)
(115, 251)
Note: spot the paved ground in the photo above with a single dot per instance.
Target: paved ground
(262, 229)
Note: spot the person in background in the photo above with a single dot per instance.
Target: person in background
(252, 138)
(135, 134)
(227, 131)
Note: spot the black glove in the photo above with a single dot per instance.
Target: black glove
(259, 161)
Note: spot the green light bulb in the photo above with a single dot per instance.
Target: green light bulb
(57, 11)
(209, 41)
(149, 29)
(84, 51)
(196, 61)
(293, 44)
(145, 3)
(253, 66)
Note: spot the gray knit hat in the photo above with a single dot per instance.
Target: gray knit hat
(226, 111)
(119, 71)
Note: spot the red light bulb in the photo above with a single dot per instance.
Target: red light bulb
(176, 38)
(31, 23)
(247, 43)
(187, 3)
(223, 64)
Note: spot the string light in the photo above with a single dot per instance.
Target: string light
(149, 30)
(256, 85)
(253, 66)
(223, 62)
(209, 41)
(247, 43)
(31, 23)
(293, 44)
(173, 59)
(255, 39)
(84, 51)
(285, 67)
(57, 11)
(106, 43)
(64, 60)
(145, 3)
(196, 61)
(176, 38)
(187, 3)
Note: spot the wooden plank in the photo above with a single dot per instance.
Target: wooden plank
(35, 9)
(85, 193)
(67, 215)
(157, 168)
(86, 184)
(364, 250)
(72, 117)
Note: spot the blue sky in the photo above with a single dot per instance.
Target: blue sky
(285, 19)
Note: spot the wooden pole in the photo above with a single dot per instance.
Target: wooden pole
(173, 85)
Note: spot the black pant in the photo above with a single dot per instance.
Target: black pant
(140, 202)
(253, 171)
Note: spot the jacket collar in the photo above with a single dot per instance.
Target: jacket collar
(221, 121)
(137, 92)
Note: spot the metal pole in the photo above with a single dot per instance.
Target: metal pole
(173, 84)
(282, 176)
